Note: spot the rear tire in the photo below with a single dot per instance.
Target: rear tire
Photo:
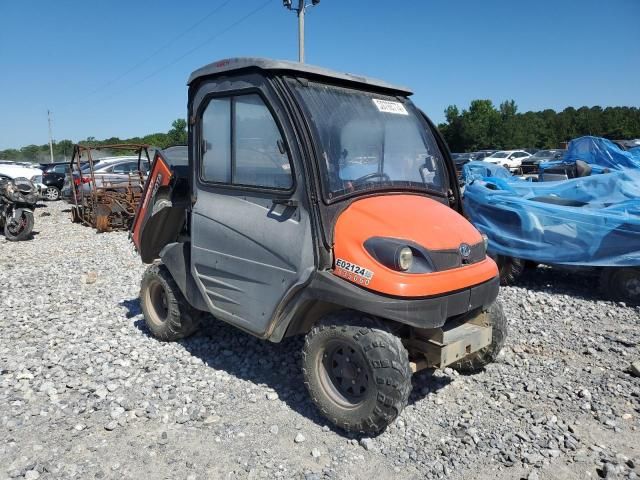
(495, 317)
(166, 312)
(21, 231)
(356, 371)
(621, 284)
(510, 269)
(52, 194)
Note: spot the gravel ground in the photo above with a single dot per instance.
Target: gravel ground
(86, 392)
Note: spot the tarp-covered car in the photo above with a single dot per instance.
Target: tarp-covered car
(591, 220)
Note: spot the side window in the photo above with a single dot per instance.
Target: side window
(60, 168)
(258, 159)
(242, 145)
(216, 141)
(124, 167)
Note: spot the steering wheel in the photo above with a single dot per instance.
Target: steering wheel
(371, 175)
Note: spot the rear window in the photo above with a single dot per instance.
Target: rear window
(177, 155)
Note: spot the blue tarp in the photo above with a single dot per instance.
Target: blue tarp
(599, 152)
(591, 221)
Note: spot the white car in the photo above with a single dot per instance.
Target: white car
(21, 170)
(509, 159)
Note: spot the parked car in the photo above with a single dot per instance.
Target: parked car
(15, 170)
(480, 154)
(111, 169)
(532, 163)
(510, 159)
(460, 159)
(114, 173)
(584, 219)
(53, 179)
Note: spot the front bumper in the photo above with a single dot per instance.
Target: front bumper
(530, 168)
(430, 312)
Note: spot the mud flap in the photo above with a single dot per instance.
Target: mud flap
(177, 258)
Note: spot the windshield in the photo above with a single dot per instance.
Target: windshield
(544, 153)
(547, 153)
(370, 141)
(499, 155)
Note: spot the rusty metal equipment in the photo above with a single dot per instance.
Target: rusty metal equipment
(110, 205)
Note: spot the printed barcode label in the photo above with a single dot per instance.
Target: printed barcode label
(387, 106)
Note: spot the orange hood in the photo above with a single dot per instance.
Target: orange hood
(416, 219)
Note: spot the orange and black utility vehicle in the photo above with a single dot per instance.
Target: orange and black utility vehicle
(322, 204)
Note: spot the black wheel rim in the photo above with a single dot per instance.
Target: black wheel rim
(158, 302)
(343, 374)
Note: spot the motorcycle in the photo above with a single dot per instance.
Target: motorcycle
(18, 198)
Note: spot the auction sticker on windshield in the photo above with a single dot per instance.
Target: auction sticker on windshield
(353, 272)
(387, 106)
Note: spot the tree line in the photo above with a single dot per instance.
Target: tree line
(63, 149)
(483, 126)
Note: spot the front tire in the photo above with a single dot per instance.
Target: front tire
(166, 312)
(621, 284)
(510, 269)
(356, 371)
(495, 317)
(14, 231)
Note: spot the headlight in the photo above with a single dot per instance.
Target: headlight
(405, 259)
(399, 255)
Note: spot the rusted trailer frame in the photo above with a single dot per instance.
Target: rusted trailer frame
(112, 205)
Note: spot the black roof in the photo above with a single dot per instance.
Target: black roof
(240, 63)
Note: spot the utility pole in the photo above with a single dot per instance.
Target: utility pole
(50, 136)
(300, 10)
(301, 31)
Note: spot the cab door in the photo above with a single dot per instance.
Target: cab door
(250, 229)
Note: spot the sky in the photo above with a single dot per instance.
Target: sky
(119, 67)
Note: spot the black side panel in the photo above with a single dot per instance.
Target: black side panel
(163, 226)
(431, 312)
(177, 258)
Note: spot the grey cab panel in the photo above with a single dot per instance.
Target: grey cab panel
(247, 251)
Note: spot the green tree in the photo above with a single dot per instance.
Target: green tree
(178, 133)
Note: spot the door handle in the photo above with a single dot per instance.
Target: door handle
(287, 202)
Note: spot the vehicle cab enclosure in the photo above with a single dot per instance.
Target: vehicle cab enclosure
(307, 192)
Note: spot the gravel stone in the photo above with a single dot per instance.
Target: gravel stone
(366, 443)
(299, 438)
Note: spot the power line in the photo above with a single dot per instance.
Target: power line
(192, 50)
(160, 49)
